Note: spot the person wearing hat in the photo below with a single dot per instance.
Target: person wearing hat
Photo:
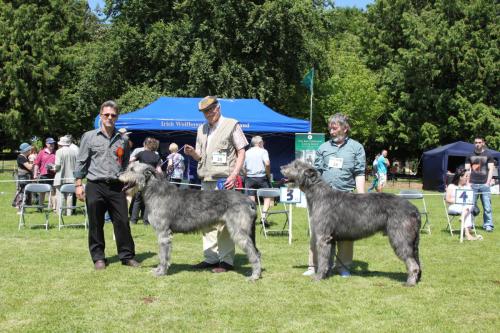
(104, 154)
(220, 152)
(44, 168)
(24, 168)
(65, 163)
(72, 145)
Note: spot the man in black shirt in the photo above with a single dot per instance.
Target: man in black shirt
(148, 156)
(481, 166)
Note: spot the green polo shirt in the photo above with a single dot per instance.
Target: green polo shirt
(340, 165)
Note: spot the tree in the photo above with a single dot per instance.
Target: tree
(351, 88)
(440, 62)
(40, 40)
(234, 49)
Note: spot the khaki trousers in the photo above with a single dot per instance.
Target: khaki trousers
(217, 245)
(345, 252)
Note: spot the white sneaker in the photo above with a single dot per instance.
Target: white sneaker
(309, 272)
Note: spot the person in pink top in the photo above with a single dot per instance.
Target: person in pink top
(44, 168)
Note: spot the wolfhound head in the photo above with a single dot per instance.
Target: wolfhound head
(301, 173)
(136, 177)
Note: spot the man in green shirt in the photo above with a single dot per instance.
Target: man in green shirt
(341, 162)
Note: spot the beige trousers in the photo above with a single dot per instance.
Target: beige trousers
(217, 245)
(68, 198)
(345, 252)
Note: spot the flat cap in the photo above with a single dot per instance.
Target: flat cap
(207, 102)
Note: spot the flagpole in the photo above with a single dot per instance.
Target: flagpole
(311, 103)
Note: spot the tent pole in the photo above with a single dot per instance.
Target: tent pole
(311, 103)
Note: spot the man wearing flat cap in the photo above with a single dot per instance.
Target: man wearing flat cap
(220, 152)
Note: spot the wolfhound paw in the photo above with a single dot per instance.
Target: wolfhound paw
(253, 278)
(318, 278)
(159, 271)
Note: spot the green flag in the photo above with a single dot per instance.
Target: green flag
(309, 80)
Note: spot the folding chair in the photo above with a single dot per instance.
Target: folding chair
(413, 196)
(36, 189)
(275, 194)
(451, 217)
(68, 189)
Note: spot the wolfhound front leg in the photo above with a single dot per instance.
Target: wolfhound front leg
(240, 234)
(323, 251)
(312, 246)
(165, 246)
(413, 272)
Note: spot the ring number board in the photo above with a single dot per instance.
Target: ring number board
(464, 196)
(289, 195)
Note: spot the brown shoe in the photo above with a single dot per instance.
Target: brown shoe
(131, 263)
(223, 268)
(99, 265)
(205, 265)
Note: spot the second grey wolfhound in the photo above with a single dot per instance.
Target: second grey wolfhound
(173, 210)
(338, 216)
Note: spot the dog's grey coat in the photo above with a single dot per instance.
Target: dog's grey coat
(173, 210)
(339, 216)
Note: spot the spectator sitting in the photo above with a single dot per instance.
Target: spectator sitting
(461, 180)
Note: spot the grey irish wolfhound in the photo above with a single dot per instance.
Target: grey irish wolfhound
(173, 210)
(337, 216)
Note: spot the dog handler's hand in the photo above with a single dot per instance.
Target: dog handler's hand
(189, 150)
(230, 181)
(80, 192)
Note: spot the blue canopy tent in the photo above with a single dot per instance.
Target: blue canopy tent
(176, 119)
(438, 161)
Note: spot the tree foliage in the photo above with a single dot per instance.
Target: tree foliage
(38, 61)
(410, 74)
(439, 61)
(236, 48)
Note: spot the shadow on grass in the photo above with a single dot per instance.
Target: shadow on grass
(239, 261)
(360, 268)
(140, 257)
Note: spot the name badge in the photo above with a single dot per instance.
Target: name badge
(335, 162)
(219, 158)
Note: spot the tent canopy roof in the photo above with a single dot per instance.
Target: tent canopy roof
(181, 114)
(458, 148)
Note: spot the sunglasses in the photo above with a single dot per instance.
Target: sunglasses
(107, 115)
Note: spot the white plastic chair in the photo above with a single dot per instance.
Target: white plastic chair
(67, 189)
(452, 217)
(273, 193)
(35, 189)
(416, 196)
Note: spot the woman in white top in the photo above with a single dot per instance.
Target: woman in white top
(461, 180)
(175, 167)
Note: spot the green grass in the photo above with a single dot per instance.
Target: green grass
(48, 284)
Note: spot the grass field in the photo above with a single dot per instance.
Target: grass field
(48, 284)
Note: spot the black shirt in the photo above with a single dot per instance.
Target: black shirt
(148, 157)
(479, 167)
(21, 169)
